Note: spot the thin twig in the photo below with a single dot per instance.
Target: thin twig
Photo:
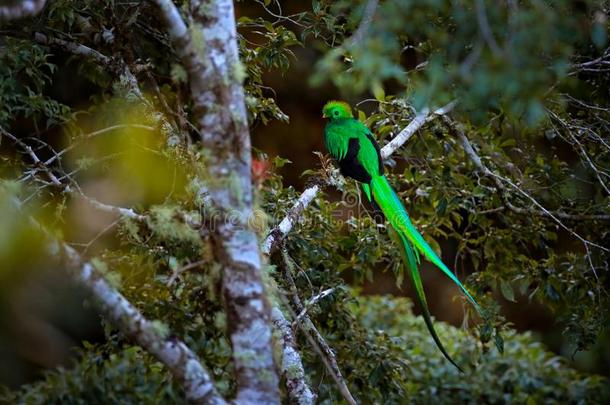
(176, 273)
(500, 181)
(112, 209)
(117, 65)
(291, 365)
(32, 155)
(123, 212)
(72, 47)
(581, 149)
(312, 334)
(87, 136)
(312, 302)
(98, 236)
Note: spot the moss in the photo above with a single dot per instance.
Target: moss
(123, 89)
(248, 357)
(131, 230)
(166, 222)
(194, 187)
(205, 8)
(293, 371)
(238, 118)
(236, 189)
(197, 39)
(112, 277)
(239, 73)
(220, 321)
(178, 73)
(160, 328)
(258, 222)
(266, 376)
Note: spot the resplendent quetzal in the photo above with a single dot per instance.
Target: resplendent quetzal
(356, 151)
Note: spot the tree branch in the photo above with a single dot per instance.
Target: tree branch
(72, 47)
(420, 119)
(500, 180)
(177, 357)
(315, 338)
(112, 209)
(215, 80)
(279, 232)
(581, 150)
(406, 134)
(117, 65)
(44, 166)
(312, 301)
(28, 149)
(291, 365)
(180, 360)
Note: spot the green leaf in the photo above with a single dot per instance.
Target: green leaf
(361, 116)
(485, 332)
(378, 91)
(280, 162)
(178, 73)
(507, 290)
(441, 207)
(499, 341)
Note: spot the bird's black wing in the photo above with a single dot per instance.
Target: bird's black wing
(350, 166)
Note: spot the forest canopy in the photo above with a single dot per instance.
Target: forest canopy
(173, 230)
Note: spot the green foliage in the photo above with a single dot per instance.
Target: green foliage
(386, 352)
(25, 70)
(127, 375)
(273, 53)
(167, 227)
(490, 57)
(525, 373)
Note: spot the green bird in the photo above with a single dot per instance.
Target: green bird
(357, 153)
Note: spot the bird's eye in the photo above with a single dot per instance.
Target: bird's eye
(335, 113)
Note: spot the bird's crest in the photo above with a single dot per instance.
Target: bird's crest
(337, 109)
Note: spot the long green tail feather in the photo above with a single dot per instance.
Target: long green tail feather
(402, 230)
(408, 254)
(390, 204)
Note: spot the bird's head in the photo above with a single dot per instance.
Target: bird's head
(336, 110)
